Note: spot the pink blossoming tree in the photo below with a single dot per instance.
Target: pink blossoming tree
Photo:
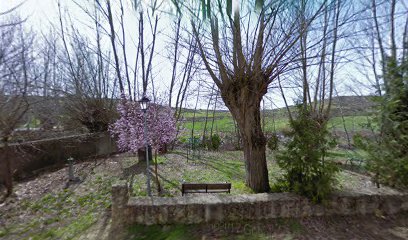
(129, 128)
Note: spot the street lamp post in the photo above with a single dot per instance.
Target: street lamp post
(144, 102)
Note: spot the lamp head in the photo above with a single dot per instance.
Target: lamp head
(144, 102)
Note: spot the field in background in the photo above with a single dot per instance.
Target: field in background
(351, 114)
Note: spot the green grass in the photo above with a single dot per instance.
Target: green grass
(353, 123)
(64, 214)
(202, 114)
(349, 156)
(225, 123)
(160, 159)
(69, 231)
(245, 230)
(222, 166)
(219, 168)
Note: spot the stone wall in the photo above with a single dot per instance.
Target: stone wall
(30, 157)
(206, 208)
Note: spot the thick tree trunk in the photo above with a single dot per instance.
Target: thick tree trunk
(254, 143)
(255, 165)
(246, 111)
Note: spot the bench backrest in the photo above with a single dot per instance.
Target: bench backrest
(210, 186)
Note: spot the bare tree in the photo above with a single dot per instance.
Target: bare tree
(15, 80)
(86, 69)
(244, 53)
(145, 52)
(321, 51)
(188, 69)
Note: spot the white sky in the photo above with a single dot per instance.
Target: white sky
(39, 12)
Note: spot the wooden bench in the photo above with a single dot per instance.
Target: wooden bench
(205, 188)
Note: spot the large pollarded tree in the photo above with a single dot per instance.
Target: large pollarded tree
(244, 51)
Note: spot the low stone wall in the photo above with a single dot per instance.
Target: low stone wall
(30, 157)
(224, 208)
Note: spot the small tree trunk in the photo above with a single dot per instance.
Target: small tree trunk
(213, 118)
(8, 177)
(204, 138)
(238, 145)
(155, 172)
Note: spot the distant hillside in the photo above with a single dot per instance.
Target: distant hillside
(356, 111)
(341, 106)
(352, 106)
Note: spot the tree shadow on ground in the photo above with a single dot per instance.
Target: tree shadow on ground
(229, 169)
(101, 234)
(173, 184)
(130, 172)
(135, 169)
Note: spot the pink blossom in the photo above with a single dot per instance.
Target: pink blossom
(129, 128)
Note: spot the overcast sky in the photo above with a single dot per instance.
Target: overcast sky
(40, 13)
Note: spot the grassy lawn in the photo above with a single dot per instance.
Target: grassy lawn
(223, 122)
(228, 166)
(45, 209)
(353, 123)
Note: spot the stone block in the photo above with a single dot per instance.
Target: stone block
(195, 213)
(177, 213)
(319, 210)
(305, 208)
(119, 203)
(290, 208)
(265, 210)
(404, 205)
(214, 213)
(234, 212)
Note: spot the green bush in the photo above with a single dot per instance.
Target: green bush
(193, 142)
(273, 142)
(214, 142)
(386, 160)
(388, 150)
(307, 171)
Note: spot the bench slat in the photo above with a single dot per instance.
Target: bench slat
(205, 187)
(192, 186)
(219, 186)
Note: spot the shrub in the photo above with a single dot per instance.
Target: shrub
(214, 142)
(194, 142)
(307, 171)
(386, 161)
(388, 153)
(273, 142)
